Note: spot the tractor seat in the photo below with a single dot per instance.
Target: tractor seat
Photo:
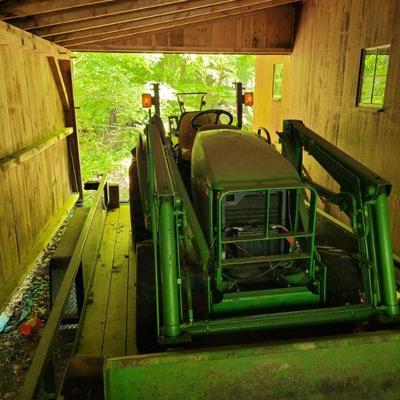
(187, 133)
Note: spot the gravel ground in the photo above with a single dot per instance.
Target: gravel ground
(30, 300)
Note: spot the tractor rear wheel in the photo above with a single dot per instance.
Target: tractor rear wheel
(146, 312)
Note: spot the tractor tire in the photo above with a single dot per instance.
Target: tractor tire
(146, 311)
(139, 231)
(344, 283)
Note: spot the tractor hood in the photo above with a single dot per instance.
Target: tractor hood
(231, 159)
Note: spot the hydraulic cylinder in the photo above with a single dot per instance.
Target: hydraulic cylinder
(169, 268)
(385, 256)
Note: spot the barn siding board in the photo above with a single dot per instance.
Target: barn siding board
(7, 231)
(320, 86)
(34, 190)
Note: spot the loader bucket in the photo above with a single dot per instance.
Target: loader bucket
(356, 366)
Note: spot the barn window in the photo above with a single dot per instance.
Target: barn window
(277, 82)
(373, 73)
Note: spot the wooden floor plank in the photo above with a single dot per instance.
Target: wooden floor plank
(131, 304)
(91, 342)
(115, 329)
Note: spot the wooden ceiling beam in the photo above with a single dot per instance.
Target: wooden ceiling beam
(119, 47)
(143, 18)
(269, 31)
(92, 13)
(170, 22)
(104, 18)
(23, 8)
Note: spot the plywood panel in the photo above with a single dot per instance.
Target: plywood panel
(34, 190)
(320, 86)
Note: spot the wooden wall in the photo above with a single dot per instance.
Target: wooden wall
(266, 32)
(35, 183)
(320, 86)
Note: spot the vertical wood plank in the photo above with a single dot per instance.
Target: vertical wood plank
(70, 120)
(9, 257)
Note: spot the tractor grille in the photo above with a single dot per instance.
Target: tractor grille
(248, 209)
(244, 216)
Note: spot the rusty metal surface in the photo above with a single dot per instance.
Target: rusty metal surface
(86, 367)
(354, 366)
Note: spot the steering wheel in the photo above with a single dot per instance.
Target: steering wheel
(196, 124)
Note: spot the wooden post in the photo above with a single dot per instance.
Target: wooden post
(59, 81)
(70, 120)
(113, 191)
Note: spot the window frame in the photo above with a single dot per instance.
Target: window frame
(376, 51)
(276, 98)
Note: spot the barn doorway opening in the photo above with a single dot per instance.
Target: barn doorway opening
(108, 89)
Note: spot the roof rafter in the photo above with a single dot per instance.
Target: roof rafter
(162, 14)
(128, 16)
(166, 23)
(92, 13)
(170, 21)
(17, 9)
(269, 31)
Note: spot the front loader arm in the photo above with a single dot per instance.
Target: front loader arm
(363, 197)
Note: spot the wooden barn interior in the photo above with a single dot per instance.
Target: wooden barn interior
(319, 44)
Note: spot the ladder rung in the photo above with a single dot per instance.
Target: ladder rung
(264, 259)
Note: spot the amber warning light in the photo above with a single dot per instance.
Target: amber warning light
(248, 99)
(146, 100)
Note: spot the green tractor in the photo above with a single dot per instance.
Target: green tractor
(228, 252)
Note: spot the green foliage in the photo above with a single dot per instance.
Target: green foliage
(108, 89)
(103, 151)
